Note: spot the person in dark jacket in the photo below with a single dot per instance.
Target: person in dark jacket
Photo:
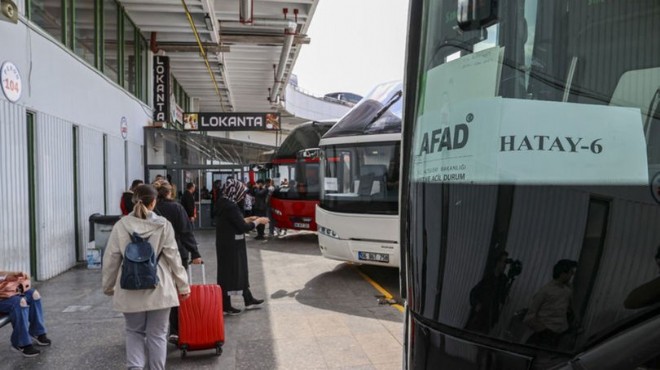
(183, 233)
(259, 206)
(230, 246)
(188, 201)
(126, 204)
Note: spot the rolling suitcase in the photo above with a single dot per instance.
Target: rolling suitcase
(201, 324)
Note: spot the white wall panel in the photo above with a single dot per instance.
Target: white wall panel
(90, 179)
(115, 175)
(56, 249)
(14, 208)
(135, 163)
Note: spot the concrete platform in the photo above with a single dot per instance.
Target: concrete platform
(319, 314)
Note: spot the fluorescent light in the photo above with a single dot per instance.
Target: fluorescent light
(209, 24)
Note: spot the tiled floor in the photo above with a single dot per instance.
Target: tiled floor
(319, 314)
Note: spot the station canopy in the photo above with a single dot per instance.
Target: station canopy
(180, 149)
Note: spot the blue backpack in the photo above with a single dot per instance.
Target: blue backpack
(140, 267)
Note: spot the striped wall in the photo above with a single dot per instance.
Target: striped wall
(90, 180)
(116, 175)
(56, 248)
(14, 207)
(135, 163)
(472, 213)
(633, 237)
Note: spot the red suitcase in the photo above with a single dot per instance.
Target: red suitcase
(201, 324)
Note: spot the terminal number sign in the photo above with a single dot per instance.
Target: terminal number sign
(11, 81)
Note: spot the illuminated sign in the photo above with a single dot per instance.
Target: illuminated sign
(231, 121)
(161, 88)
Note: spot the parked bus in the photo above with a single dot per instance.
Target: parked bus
(531, 185)
(296, 160)
(357, 216)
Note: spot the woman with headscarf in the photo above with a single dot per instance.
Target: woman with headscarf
(230, 245)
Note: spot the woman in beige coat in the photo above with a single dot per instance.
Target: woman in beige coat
(146, 311)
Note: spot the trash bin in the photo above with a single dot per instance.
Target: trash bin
(100, 227)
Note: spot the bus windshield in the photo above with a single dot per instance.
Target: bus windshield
(303, 184)
(533, 167)
(361, 178)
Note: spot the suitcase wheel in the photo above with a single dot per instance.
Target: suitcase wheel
(218, 349)
(184, 351)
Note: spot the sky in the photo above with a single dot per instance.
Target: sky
(355, 45)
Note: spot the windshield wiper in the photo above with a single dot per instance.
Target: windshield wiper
(395, 98)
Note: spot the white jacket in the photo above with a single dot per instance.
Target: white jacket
(172, 275)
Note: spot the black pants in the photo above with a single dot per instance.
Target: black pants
(174, 312)
(226, 300)
(260, 228)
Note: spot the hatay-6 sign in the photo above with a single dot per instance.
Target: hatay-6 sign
(231, 121)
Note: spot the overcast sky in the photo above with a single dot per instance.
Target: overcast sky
(355, 45)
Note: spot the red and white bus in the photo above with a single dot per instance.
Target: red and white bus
(294, 201)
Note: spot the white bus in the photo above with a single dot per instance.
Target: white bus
(357, 216)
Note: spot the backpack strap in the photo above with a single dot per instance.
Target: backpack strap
(136, 238)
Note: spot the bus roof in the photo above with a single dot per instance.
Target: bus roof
(378, 113)
(305, 136)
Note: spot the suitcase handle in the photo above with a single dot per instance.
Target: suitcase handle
(190, 268)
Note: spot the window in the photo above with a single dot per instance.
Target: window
(48, 14)
(129, 56)
(110, 49)
(84, 29)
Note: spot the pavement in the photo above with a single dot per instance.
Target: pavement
(319, 314)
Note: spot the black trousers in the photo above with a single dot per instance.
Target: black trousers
(174, 312)
(226, 300)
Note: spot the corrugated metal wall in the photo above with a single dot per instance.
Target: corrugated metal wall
(14, 208)
(116, 174)
(90, 179)
(471, 210)
(633, 236)
(547, 225)
(135, 163)
(56, 249)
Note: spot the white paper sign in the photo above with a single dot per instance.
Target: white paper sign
(330, 184)
(495, 141)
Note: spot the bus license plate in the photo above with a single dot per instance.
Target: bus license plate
(372, 256)
(301, 225)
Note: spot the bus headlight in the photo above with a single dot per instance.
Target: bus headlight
(328, 232)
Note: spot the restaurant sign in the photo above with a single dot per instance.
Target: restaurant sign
(231, 121)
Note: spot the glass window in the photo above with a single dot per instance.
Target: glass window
(144, 72)
(48, 14)
(84, 28)
(540, 243)
(357, 174)
(129, 56)
(110, 33)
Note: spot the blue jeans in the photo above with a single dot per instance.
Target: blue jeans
(27, 317)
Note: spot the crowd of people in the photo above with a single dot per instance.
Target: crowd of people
(151, 212)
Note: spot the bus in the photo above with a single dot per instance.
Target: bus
(530, 196)
(293, 206)
(357, 215)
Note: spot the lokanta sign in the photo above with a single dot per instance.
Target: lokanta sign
(231, 121)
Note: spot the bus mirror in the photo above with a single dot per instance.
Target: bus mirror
(476, 14)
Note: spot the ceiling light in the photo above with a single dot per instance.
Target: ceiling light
(209, 24)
